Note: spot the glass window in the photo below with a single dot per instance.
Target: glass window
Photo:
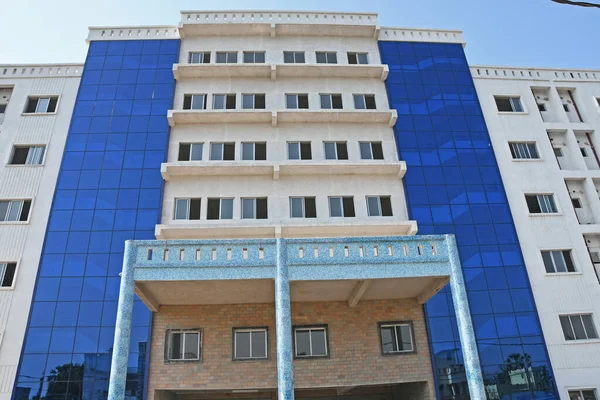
(187, 209)
(296, 101)
(250, 344)
(578, 327)
(185, 345)
(558, 261)
(293, 57)
(254, 151)
(199, 57)
(254, 57)
(222, 151)
(223, 101)
(326, 57)
(310, 341)
(254, 208)
(219, 209)
(541, 203)
(299, 151)
(7, 274)
(336, 151)
(396, 338)
(582, 394)
(194, 102)
(331, 101)
(303, 207)
(358, 58)
(28, 155)
(253, 101)
(226, 57)
(14, 210)
(190, 151)
(509, 104)
(341, 206)
(523, 150)
(364, 101)
(371, 151)
(41, 105)
(379, 206)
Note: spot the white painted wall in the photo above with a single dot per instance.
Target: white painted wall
(576, 363)
(19, 241)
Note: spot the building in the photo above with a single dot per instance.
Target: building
(257, 179)
(36, 104)
(546, 149)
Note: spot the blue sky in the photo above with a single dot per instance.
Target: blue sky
(498, 32)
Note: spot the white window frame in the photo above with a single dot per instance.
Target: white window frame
(522, 148)
(340, 199)
(327, 54)
(310, 329)
(254, 53)
(379, 208)
(210, 156)
(395, 326)
(225, 97)
(3, 267)
(299, 146)
(363, 98)
(552, 253)
(511, 99)
(227, 55)
(370, 144)
(201, 54)
(41, 109)
(253, 144)
(192, 145)
(294, 56)
(19, 203)
(357, 55)
(303, 198)
(335, 148)
(250, 330)
(221, 199)
(543, 205)
(330, 95)
(580, 394)
(184, 333)
(580, 315)
(193, 96)
(31, 149)
(254, 101)
(296, 97)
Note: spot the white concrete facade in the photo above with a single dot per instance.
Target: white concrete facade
(564, 128)
(21, 241)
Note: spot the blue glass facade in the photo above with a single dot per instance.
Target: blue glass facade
(453, 186)
(109, 190)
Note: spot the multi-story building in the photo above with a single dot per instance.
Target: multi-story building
(36, 104)
(544, 127)
(269, 171)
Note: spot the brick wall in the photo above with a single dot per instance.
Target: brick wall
(354, 347)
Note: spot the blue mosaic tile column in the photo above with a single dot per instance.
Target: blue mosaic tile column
(109, 190)
(453, 186)
(283, 327)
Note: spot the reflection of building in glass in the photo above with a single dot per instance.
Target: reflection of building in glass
(452, 382)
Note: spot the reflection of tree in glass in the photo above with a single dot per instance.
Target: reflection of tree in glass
(58, 381)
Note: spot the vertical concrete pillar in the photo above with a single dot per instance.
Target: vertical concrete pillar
(283, 326)
(465, 324)
(120, 355)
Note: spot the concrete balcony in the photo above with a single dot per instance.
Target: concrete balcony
(182, 117)
(276, 71)
(287, 227)
(179, 169)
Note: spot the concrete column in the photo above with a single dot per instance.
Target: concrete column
(283, 326)
(120, 355)
(465, 324)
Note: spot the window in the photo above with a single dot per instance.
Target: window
(7, 274)
(293, 57)
(187, 209)
(303, 207)
(255, 208)
(226, 57)
(250, 344)
(295, 101)
(557, 151)
(222, 151)
(3, 108)
(371, 151)
(310, 341)
(194, 102)
(341, 206)
(566, 107)
(336, 151)
(326, 57)
(184, 345)
(583, 151)
(541, 107)
(253, 101)
(509, 104)
(358, 58)
(254, 151)
(558, 261)
(299, 151)
(396, 337)
(364, 102)
(523, 150)
(223, 101)
(14, 210)
(220, 209)
(254, 57)
(582, 394)
(597, 101)
(578, 327)
(379, 206)
(541, 203)
(190, 151)
(40, 105)
(576, 203)
(199, 58)
(331, 101)
(27, 155)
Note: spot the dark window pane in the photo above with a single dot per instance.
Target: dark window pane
(52, 104)
(386, 206)
(388, 340)
(221, 58)
(213, 209)
(259, 57)
(176, 352)
(9, 274)
(187, 102)
(291, 101)
(305, 152)
(548, 261)
(332, 58)
(578, 327)
(293, 151)
(229, 151)
(259, 348)
(568, 261)
(191, 346)
(370, 102)
(336, 101)
(31, 105)
(20, 155)
(184, 152)
(248, 57)
(196, 153)
(261, 208)
(310, 207)
(588, 323)
(299, 57)
(230, 101)
(194, 209)
(303, 101)
(362, 58)
(302, 343)
(247, 151)
(226, 208)
(365, 151)
(404, 338)
(259, 101)
(242, 345)
(247, 101)
(218, 101)
(296, 207)
(25, 210)
(248, 208)
(288, 57)
(348, 206)
(342, 151)
(352, 58)
(503, 104)
(321, 57)
(319, 347)
(260, 151)
(330, 151)
(377, 151)
(559, 261)
(325, 101)
(532, 204)
(335, 207)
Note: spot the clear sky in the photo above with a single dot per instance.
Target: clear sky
(498, 32)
